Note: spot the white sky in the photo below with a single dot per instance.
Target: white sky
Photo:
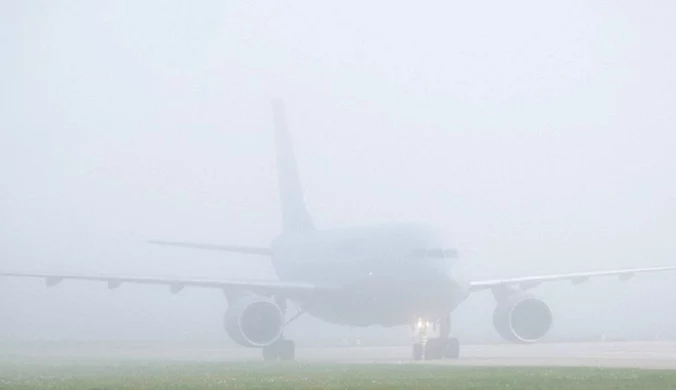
(540, 136)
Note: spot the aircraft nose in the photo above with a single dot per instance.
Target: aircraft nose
(442, 280)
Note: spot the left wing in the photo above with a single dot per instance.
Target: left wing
(527, 282)
(177, 284)
(247, 250)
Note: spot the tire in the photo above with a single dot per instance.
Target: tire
(271, 352)
(287, 349)
(434, 349)
(417, 352)
(452, 348)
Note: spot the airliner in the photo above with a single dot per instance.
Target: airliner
(382, 275)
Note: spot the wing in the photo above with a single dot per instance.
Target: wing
(175, 285)
(247, 250)
(527, 282)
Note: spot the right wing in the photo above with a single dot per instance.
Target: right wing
(527, 282)
(247, 250)
(263, 287)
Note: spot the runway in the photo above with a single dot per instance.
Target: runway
(611, 354)
(653, 354)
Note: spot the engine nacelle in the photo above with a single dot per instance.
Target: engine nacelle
(254, 321)
(522, 319)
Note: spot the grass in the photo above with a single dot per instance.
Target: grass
(145, 376)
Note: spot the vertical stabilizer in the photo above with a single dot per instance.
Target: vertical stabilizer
(294, 213)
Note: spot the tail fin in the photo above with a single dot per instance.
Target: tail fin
(294, 213)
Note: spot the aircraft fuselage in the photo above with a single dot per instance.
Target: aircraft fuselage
(387, 275)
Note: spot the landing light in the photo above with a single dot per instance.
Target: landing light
(423, 324)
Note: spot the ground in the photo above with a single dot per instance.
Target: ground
(146, 376)
(101, 366)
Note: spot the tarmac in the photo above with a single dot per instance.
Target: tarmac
(649, 354)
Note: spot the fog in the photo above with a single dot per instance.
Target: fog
(539, 136)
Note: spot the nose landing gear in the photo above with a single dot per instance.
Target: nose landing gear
(441, 347)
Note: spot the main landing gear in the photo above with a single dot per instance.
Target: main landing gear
(282, 348)
(442, 347)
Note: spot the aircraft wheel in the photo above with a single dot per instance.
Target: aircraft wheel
(271, 352)
(417, 351)
(280, 349)
(434, 349)
(287, 349)
(452, 348)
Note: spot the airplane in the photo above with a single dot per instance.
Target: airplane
(384, 275)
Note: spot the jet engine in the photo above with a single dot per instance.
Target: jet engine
(254, 321)
(522, 318)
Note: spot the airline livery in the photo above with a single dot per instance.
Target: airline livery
(387, 275)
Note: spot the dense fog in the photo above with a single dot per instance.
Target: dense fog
(539, 136)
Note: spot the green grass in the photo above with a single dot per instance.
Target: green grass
(142, 376)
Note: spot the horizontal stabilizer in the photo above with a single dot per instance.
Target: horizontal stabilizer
(247, 250)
